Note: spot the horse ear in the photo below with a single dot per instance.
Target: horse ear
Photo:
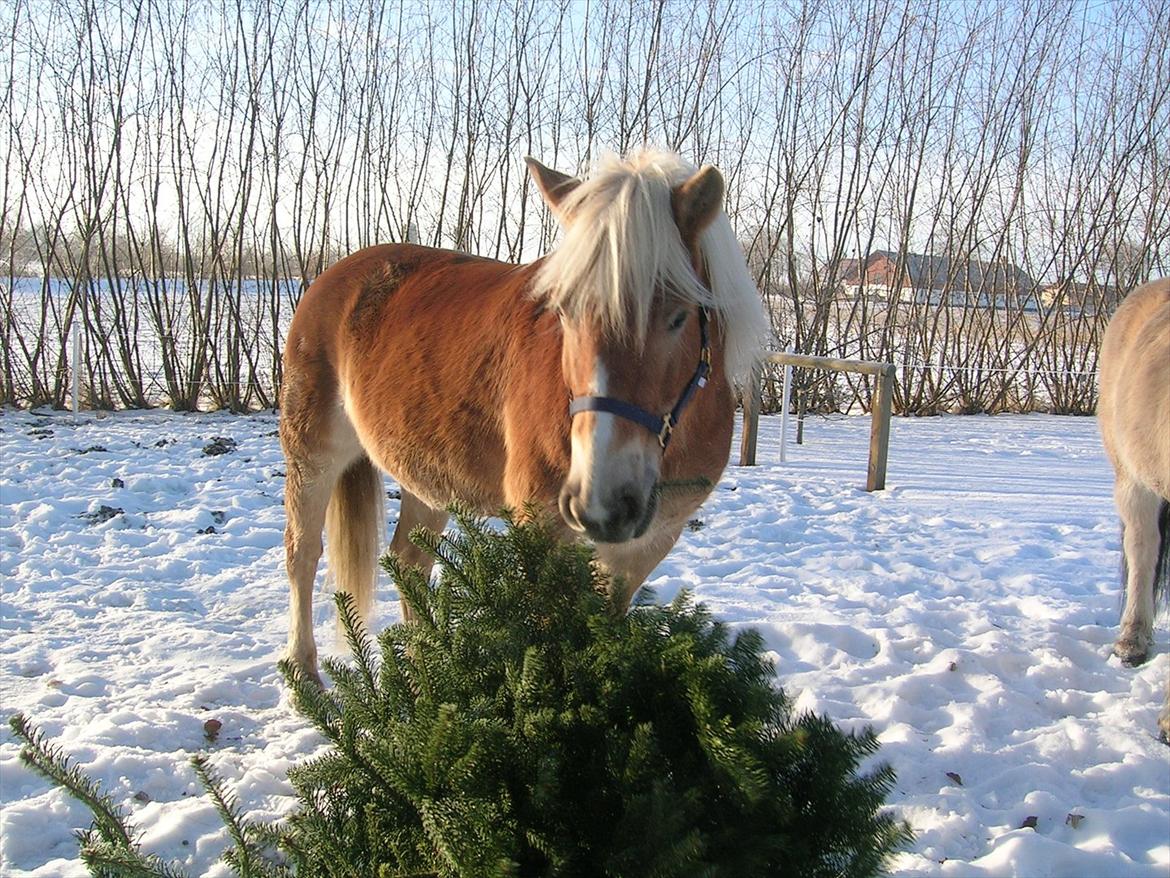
(553, 185)
(697, 202)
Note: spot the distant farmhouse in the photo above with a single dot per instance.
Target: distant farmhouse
(1081, 298)
(939, 280)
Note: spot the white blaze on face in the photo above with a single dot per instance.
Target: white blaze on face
(590, 440)
(602, 466)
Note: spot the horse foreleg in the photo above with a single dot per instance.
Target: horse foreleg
(1138, 509)
(414, 513)
(628, 564)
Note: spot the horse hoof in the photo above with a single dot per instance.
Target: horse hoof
(307, 670)
(1131, 656)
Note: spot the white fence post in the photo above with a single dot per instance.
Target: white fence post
(784, 398)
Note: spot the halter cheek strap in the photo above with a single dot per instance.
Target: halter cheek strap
(663, 425)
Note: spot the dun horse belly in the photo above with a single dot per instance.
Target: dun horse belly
(433, 468)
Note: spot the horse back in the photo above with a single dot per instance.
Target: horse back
(351, 296)
(421, 350)
(1134, 402)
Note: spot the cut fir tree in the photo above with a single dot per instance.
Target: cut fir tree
(519, 726)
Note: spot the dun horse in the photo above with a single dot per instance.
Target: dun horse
(580, 382)
(1134, 413)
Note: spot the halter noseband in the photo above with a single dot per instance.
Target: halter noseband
(661, 426)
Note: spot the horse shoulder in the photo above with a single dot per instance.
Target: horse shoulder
(535, 403)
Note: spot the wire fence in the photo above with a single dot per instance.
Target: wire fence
(814, 391)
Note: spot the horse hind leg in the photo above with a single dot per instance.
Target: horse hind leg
(1164, 717)
(1162, 584)
(413, 513)
(1141, 541)
(345, 502)
(306, 498)
(319, 447)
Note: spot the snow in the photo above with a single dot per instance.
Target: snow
(967, 613)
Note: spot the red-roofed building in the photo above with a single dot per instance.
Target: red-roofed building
(912, 277)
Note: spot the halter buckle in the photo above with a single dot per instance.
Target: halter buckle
(664, 433)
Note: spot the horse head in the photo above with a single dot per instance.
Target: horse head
(628, 284)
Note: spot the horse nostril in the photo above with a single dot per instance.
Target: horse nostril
(572, 511)
(630, 507)
(622, 518)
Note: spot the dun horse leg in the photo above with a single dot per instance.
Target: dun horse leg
(413, 513)
(630, 563)
(1164, 717)
(1138, 508)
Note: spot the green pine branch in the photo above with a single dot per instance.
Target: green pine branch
(247, 858)
(108, 848)
(519, 726)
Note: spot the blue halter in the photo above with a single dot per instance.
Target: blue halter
(661, 426)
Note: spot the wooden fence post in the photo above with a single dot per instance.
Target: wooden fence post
(879, 430)
(880, 409)
(752, 402)
(76, 364)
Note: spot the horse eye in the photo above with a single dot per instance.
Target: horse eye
(678, 320)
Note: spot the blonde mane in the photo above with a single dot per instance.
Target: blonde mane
(623, 245)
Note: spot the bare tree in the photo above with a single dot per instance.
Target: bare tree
(172, 188)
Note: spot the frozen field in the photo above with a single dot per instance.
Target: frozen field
(966, 613)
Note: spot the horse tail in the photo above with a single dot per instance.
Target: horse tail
(354, 524)
(1162, 570)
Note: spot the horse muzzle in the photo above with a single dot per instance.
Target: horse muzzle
(625, 515)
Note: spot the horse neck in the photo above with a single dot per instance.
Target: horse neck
(534, 402)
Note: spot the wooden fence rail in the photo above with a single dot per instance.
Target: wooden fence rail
(879, 431)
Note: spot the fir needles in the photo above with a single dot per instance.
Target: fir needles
(518, 726)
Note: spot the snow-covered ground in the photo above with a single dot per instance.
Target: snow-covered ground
(967, 613)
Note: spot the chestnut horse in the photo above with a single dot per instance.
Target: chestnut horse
(1133, 410)
(454, 375)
